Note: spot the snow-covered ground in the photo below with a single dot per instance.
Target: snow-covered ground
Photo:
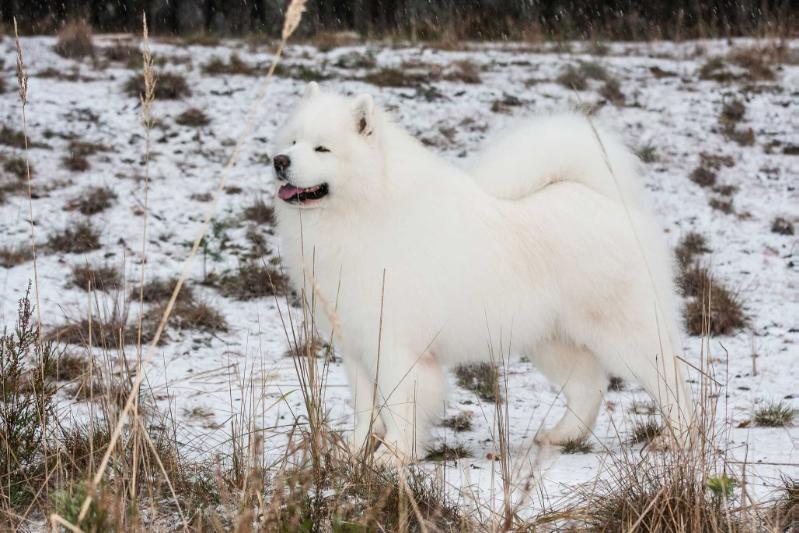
(204, 377)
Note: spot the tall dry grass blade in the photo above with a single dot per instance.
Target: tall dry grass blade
(295, 11)
(22, 82)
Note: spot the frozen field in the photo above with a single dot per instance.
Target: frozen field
(668, 107)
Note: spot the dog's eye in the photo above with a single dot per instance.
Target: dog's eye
(321, 149)
(293, 143)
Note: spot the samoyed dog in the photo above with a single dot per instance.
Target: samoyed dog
(546, 247)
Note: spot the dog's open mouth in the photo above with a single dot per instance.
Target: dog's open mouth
(297, 195)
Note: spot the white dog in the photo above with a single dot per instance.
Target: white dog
(417, 264)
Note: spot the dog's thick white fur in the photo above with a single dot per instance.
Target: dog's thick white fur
(415, 264)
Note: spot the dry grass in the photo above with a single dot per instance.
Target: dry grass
(193, 117)
(75, 40)
(13, 138)
(459, 422)
(216, 66)
(103, 278)
(17, 167)
(774, 415)
(252, 280)
(690, 247)
(11, 256)
(393, 77)
(480, 378)
(168, 86)
(260, 213)
(611, 91)
(92, 200)
(448, 452)
(782, 226)
(160, 290)
(742, 136)
(722, 204)
(575, 446)
(77, 155)
(703, 176)
(712, 308)
(79, 237)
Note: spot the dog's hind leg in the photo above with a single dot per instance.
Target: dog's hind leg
(576, 372)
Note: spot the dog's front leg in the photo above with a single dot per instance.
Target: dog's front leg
(412, 397)
(364, 396)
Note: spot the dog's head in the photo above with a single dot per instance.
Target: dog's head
(328, 151)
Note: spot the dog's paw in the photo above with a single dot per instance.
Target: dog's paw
(552, 437)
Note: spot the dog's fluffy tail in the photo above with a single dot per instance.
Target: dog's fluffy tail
(550, 149)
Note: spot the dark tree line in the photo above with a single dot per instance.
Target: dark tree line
(424, 19)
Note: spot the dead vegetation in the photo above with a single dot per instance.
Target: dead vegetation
(448, 453)
(574, 446)
(480, 378)
(75, 40)
(92, 200)
(17, 167)
(782, 226)
(712, 309)
(393, 77)
(774, 415)
(193, 117)
(78, 237)
(13, 255)
(260, 213)
(691, 246)
(252, 280)
(78, 152)
(102, 278)
(168, 86)
(460, 422)
(235, 65)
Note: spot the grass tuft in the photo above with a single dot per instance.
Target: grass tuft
(460, 422)
(168, 86)
(252, 280)
(193, 117)
(644, 431)
(691, 246)
(703, 176)
(444, 452)
(712, 307)
(103, 278)
(574, 446)
(11, 256)
(75, 40)
(782, 226)
(92, 201)
(480, 378)
(79, 237)
(260, 213)
(774, 415)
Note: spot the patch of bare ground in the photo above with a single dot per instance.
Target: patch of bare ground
(77, 154)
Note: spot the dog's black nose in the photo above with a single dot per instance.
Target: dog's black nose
(282, 162)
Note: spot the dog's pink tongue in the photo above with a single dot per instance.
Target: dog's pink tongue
(287, 192)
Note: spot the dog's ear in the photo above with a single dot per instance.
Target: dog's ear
(364, 114)
(311, 90)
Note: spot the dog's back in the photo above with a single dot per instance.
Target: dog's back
(555, 148)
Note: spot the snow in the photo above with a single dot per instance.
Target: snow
(207, 380)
